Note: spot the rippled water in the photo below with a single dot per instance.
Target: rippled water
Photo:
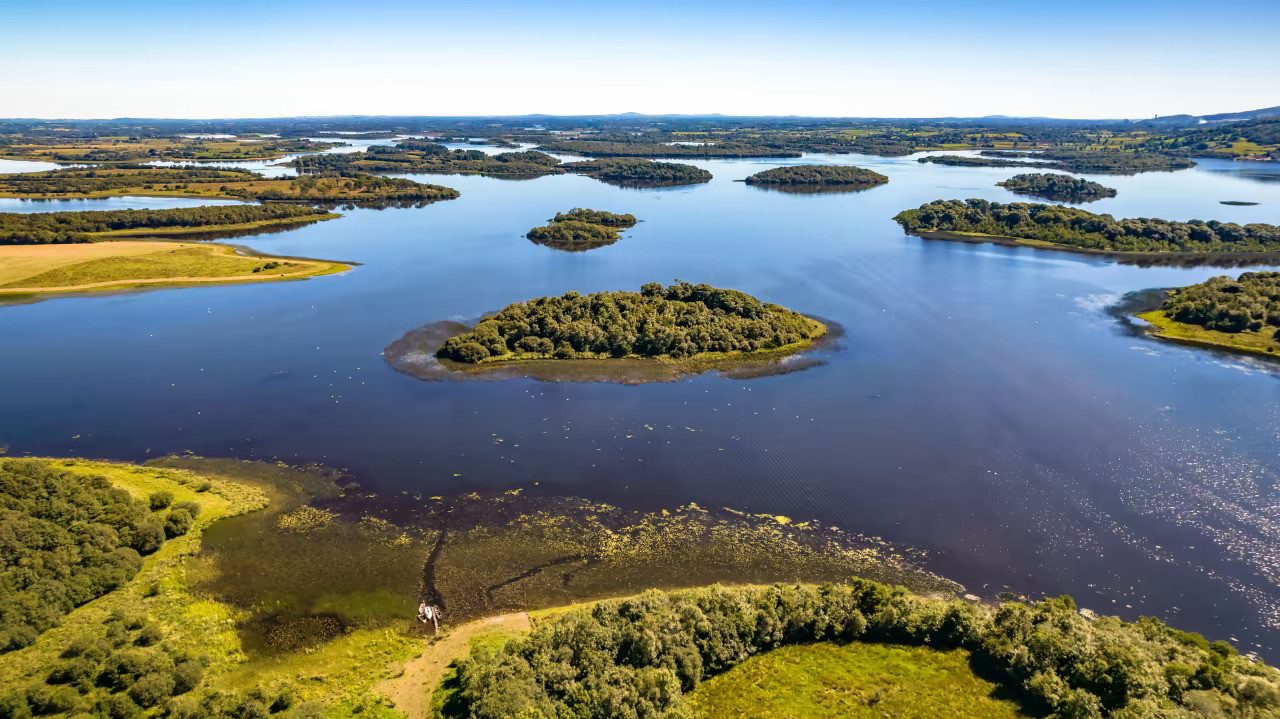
(985, 407)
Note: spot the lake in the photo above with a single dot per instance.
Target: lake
(984, 407)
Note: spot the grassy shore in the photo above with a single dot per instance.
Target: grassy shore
(168, 231)
(833, 681)
(1261, 343)
(26, 269)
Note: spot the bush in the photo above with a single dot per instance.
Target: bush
(251, 709)
(150, 634)
(148, 537)
(160, 500)
(187, 676)
(204, 485)
(152, 689)
(177, 523)
(45, 699)
(283, 701)
(192, 508)
(14, 706)
(120, 706)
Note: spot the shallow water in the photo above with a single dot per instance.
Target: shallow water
(985, 407)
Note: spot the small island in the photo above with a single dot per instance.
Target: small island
(639, 173)
(1063, 188)
(1237, 203)
(1056, 227)
(1240, 314)
(704, 150)
(817, 177)
(1085, 161)
(423, 156)
(581, 229)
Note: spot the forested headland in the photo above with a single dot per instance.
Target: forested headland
(1112, 162)
(635, 172)
(1064, 188)
(20, 228)
(1074, 228)
(330, 186)
(648, 652)
(817, 175)
(1241, 313)
(677, 322)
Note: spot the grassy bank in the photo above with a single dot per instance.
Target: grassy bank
(238, 227)
(116, 265)
(1261, 343)
(833, 681)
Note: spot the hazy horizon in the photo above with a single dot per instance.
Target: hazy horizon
(815, 58)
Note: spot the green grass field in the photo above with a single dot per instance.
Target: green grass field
(1264, 342)
(832, 681)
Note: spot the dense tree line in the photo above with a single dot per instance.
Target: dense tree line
(333, 186)
(676, 321)
(127, 670)
(430, 157)
(1064, 188)
(1251, 303)
(817, 175)
(596, 217)
(597, 148)
(635, 171)
(26, 228)
(1078, 228)
(639, 657)
(1100, 162)
(65, 540)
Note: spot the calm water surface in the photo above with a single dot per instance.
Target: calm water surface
(984, 406)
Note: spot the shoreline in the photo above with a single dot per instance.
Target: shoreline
(1161, 327)
(312, 268)
(1183, 259)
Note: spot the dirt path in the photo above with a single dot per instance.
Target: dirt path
(412, 691)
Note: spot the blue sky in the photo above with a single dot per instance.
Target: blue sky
(927, 58)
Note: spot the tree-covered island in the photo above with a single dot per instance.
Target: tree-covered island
(836, 175)
(1063, 188)
(676, 322)
(1085, 161)
(433, 158)
(1059, 227)
(581, 229)
(636, 172)
(1240, 314)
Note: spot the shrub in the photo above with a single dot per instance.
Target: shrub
(151, 689)
(177, 523)
(251, 709)
(14, 706)
(148, 537)
(150, 634)
(192, 508)
(204, 486)
(160, 500)
(187, 676)
(45, 699)
(283, 701)
(120, 706)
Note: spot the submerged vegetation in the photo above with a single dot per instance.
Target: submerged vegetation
(1073, 228)
(648, 652)
(817, 175)
(1243, 313)
(633, 172)
(19, 228)
(675, 322)
(1063, 188)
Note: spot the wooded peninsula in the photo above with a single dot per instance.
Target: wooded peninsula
(1072, 228)
(1063, 188)
(1098, 162)
(676, 322)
